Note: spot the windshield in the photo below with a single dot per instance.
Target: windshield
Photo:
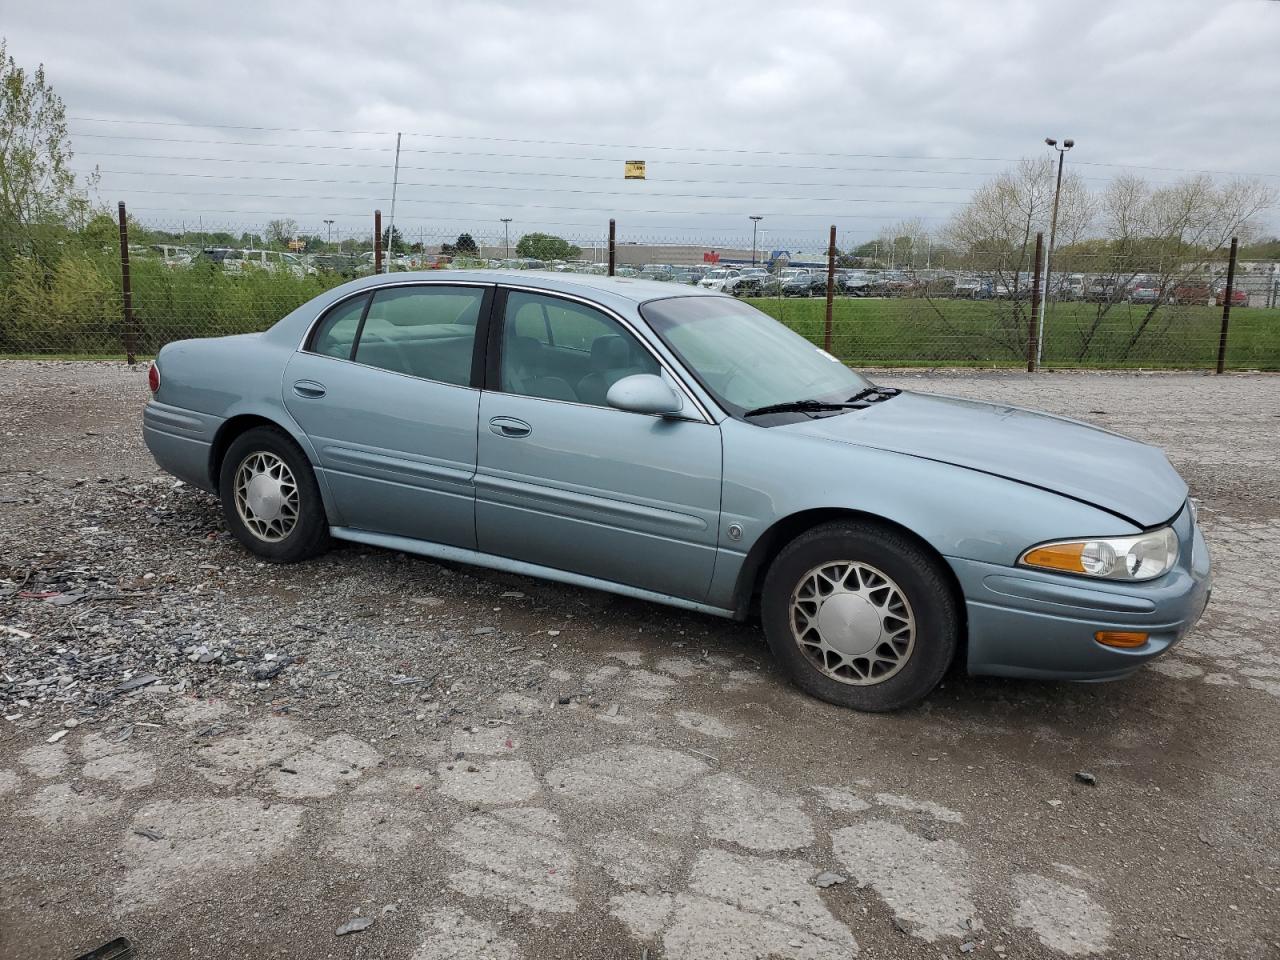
(745, 358)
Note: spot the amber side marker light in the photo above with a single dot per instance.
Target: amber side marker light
(1120, 638)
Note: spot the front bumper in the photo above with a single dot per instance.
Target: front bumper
(1028, 623)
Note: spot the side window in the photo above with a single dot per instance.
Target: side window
(335, 334)
(427, 332)
(561, 350)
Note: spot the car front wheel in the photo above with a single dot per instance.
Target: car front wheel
(861, 616)
(270, 498)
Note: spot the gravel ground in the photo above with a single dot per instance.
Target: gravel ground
(218, 758)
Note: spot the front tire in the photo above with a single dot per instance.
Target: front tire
(861, 616)
(270, 498)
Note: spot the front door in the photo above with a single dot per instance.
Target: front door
(383, 389)
(566, 481)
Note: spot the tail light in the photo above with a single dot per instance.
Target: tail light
(153, 378)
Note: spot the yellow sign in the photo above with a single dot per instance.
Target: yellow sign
(633, 170)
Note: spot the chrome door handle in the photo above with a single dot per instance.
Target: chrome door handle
(309, 389)
(509, 427)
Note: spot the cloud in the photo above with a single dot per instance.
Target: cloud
(807, 114)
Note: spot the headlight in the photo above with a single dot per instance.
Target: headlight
(1143, 557)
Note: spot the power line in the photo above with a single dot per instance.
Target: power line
(608, 146)
(603, 193)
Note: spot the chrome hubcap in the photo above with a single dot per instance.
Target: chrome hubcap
(266, 496)
(852, 622)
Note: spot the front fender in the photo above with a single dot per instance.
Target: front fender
(773, 477)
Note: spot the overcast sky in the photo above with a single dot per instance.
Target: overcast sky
(858, 114)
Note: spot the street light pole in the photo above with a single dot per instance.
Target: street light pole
(1053, 232)
(329, 224)
(755, 225)
(506, 236)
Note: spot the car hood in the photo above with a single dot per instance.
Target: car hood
(1120, 475)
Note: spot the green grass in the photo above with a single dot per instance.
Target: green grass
(918, 332)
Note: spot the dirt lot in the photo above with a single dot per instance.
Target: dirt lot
(485, 766)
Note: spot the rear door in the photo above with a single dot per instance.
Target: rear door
(566, 481)
(384, 390)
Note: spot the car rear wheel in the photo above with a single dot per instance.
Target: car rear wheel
(861, 616)
(270, 498)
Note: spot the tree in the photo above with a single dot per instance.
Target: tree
(392, 239)
(544, 246)
(280, 232)
(465, 245)
(38, 188)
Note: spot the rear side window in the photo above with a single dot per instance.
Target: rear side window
(335, 335)
(427, 332)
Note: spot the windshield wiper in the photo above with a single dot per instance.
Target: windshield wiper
(875, 394)
(805, 406)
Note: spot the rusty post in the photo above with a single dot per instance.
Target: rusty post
(1034, 330)
(613, 245)
(1226, 308)
(831, 289)
(130, 331)
(377, 241)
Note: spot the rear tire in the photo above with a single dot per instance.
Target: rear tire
(889, 638)
(270, 498)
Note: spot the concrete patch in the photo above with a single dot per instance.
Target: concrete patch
(646, 685)
(230, 759)
(681, 667)
(488, 741)
(632, 862)
(644, 914)
(935, 810)
(45, 760)
(739, 906)
(129, 769)
(925, 883)
(517, 704)
(368, 832)
(623, 775)
(456, 936)
(702, 723)
(321, 769)
(632, 658)
(1178, 669)
(488, 782)
(200, 840)
(515, 857)
(1063, 917)
(57, 805)
(400, 781)
(9, 782)
(738, 812)
(841, 801)
(194, 712)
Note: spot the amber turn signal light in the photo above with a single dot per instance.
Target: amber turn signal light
(1124, 639)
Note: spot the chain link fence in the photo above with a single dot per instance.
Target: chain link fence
(61, 292)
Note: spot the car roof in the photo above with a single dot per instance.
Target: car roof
(583, 284)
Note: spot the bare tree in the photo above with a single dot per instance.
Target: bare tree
(994, 233)
(280, 232)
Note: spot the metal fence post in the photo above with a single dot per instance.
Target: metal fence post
(831, 289)
(1035, 329)
(377, 241)
(613, 246)
(1226, 307)
(129, 333)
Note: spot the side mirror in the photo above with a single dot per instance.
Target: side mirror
(644, 393)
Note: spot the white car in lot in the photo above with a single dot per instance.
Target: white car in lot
(273, 261)
(717, 278)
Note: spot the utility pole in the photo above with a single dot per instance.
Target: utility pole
(1053, 233)
(391, 225)
(755, 224)
(506, 236)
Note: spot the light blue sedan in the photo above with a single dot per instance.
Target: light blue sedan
(677, 445)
